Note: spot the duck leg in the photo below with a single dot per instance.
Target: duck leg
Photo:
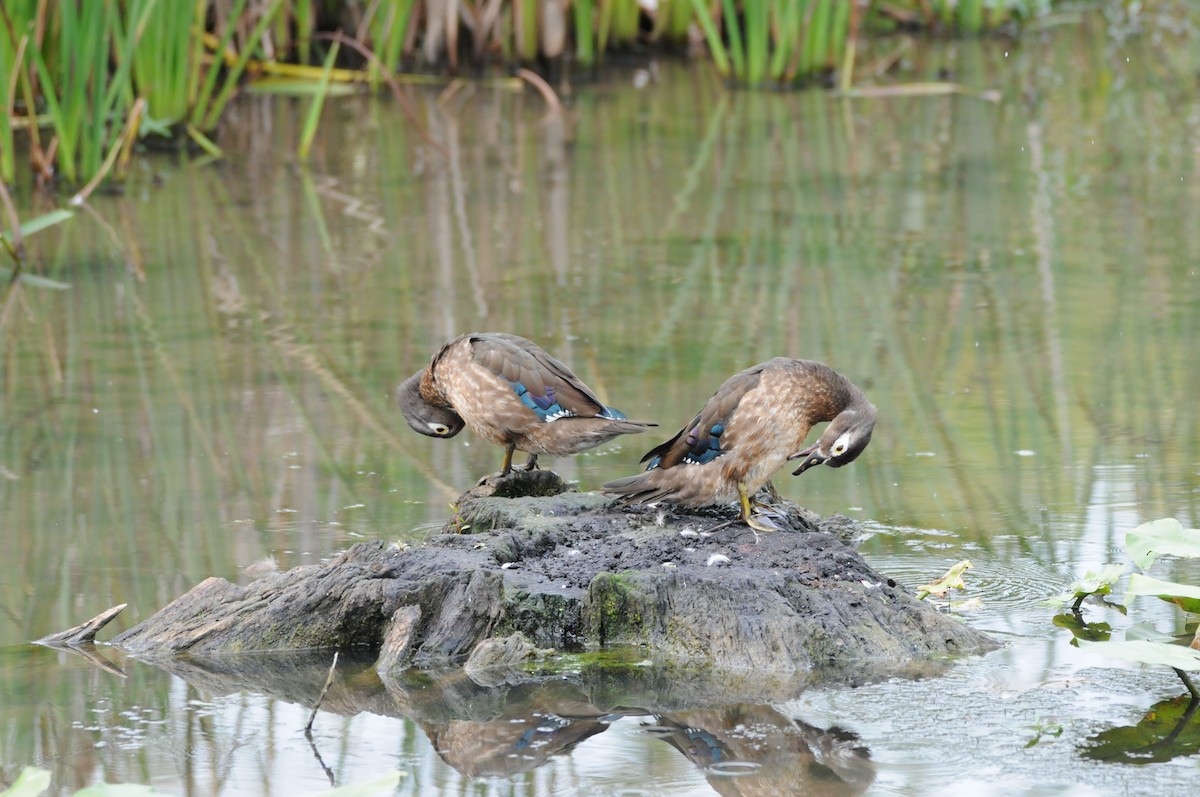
(748, 517)
(506, 466)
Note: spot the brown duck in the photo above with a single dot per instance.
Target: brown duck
(511, 393)
(751, 426)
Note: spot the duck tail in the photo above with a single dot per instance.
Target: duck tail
(626, 426)
(673, 485)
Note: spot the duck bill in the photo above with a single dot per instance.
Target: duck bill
(811, 457)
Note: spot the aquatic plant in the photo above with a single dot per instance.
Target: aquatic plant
(87, 80)
(1143, 644)
(98, 75)
(12, 241)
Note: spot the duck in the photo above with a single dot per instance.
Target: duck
(512, 393)
(754, 424)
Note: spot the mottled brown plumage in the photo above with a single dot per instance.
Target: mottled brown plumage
(511, 393)
(751, 426)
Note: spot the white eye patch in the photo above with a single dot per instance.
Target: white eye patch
(840, 445)
(438, 428)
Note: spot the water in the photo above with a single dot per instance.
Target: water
(1014, 285)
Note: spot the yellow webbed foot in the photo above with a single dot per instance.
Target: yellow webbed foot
(755, 514)
(760, 523)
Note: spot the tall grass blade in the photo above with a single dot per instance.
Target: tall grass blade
(716, 47)
(585, 48)
(788, 28)
(314, 109)
(733, 30)
(757, 21)
(816, 49)
(970, 16)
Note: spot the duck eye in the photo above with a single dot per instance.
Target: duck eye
(439, 428)
(840, 445)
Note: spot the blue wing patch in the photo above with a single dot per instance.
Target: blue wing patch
(545, 407)
(701, 450)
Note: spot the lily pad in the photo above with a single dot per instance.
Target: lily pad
(1141, 651)
(1161, 537)
(1185, 596)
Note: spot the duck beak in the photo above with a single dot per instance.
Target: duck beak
(811, 457)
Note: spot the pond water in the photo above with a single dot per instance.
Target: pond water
(1014, 284)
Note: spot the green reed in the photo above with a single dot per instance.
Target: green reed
(775, 41)
(73, 73)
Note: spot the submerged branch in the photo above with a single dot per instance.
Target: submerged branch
(82, 634)
(321, 697)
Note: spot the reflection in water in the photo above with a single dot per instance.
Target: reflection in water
(1014, 284)
(500, 725)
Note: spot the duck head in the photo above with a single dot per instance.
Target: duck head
(428, 419)
(841, 443)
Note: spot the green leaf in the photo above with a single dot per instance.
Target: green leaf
(34, 281)
(157, 127)
(1185, 596)
(30, 783)
(1147, 632)
(41, 223)
(1092, 632)
(1098, 581)
(381, 784)
(1161, 537)
(1141, 651)
(952, 579)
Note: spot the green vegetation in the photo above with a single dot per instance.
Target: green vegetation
(85, 81)
(1144, 644)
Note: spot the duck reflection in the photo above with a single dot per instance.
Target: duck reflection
(501, 723)
(742, 748)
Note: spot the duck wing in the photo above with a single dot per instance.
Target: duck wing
(544, 384)
(701, 440)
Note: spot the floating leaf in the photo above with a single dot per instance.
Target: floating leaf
(1053, 731)
(1161, 537)
(1147, 632)
(951, 580)
(1141, 651)
(1094, 582)
(30, 783)
(1185, 596)
(1098, 582)
(1092, 632)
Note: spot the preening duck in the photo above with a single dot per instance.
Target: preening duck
(512, 393)
(755, 422)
